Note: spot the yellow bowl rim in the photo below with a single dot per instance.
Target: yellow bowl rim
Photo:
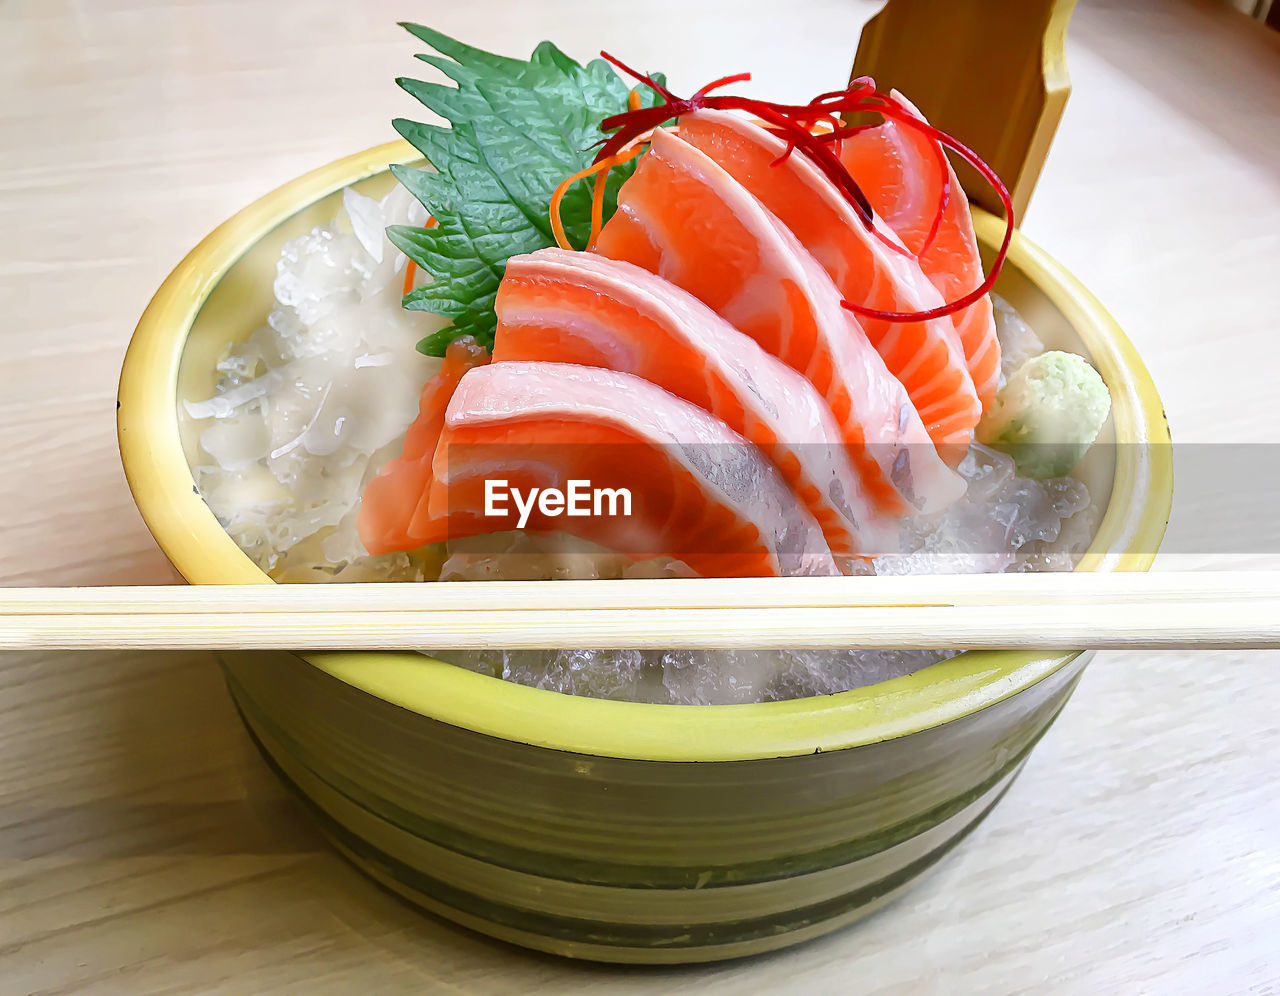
(193, 540)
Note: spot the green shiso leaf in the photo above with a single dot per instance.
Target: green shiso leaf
(517, 130)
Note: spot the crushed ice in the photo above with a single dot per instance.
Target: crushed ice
(312, 404)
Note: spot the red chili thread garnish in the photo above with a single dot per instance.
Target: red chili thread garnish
(794, 124)
(898, 113)
(631, 124)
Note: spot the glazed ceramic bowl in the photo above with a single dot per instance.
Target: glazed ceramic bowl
(612, 830)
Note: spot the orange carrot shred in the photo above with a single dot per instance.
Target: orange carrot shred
(411, 268)
(597, 208)
(600, 171)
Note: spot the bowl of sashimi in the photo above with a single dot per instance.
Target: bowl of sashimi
(612, 333)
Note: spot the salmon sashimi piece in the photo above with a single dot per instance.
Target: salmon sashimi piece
(927, 357)
(681, 216)
(902, 173)
(572, 307)
(699, 492)
(391, 499)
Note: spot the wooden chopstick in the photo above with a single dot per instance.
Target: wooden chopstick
(1034, 611)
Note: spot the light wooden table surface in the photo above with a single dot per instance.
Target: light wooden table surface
(144, 846)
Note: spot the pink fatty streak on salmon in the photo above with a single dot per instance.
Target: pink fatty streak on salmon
(913, 187)
(586, 309)
(686, 219)
(927, 357)
(543, 424)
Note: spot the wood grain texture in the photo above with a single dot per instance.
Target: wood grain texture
(144, 847)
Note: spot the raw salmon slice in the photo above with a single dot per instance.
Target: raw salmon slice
(902, 175)
(927, 357)
(391, 499)
(681, 216)
(572, 307)
(699, 492)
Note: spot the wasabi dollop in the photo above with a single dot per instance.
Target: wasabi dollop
(1048, 414)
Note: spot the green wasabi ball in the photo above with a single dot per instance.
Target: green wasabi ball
(1048, 414)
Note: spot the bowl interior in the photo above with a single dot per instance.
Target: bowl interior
(222, 292)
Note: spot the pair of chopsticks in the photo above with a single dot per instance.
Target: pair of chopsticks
(997, 611)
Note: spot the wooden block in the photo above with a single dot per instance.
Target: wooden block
(992, 73)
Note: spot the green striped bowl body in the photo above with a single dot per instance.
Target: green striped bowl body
(629, 860)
